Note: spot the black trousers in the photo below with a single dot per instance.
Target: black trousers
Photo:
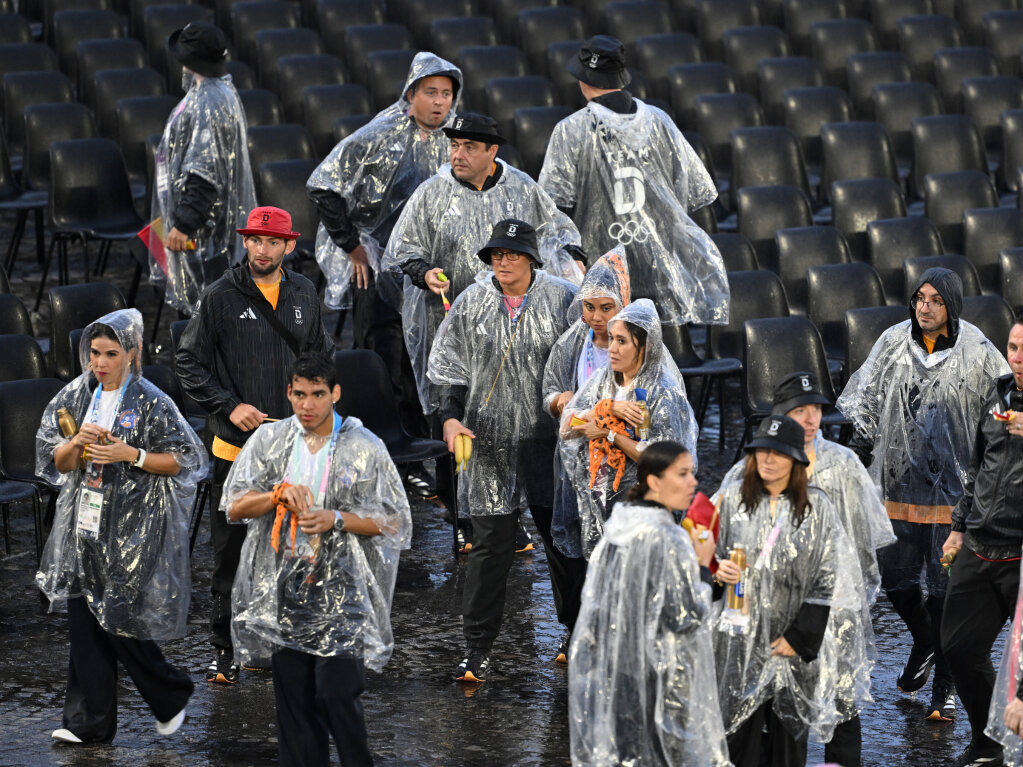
(90, 707)
(763, 740)
(846, 745)
(318, 698)
(486, 580)
(227, 542)
(981, 598)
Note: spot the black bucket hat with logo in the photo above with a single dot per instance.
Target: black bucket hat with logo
(601, 63)
(512, 234)
(781, 433)
(795, 389)
(201, 47)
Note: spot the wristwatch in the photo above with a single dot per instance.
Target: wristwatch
(339, 521)
(137, 463)
(611, 436)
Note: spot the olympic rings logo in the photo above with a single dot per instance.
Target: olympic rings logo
(629, 232)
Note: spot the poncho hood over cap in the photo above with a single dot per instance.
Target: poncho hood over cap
(134, 572)
(375, 170)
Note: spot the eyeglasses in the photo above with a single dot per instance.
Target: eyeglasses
(934, 303)
(510, 256)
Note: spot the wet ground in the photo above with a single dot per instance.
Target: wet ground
(414, 713)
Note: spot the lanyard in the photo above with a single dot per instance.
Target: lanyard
(320, 463)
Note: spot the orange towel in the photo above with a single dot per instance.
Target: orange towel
(601, 450)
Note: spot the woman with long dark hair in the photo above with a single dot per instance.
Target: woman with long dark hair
(641, 667)
(775, 660)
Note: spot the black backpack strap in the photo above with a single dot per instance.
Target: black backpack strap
(263, 307)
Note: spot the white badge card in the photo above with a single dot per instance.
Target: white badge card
(90, 506)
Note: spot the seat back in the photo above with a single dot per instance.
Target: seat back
(1012, 149)
(533, 128)
(657, 53)
(282, 184)
(776, 76)
(112, 85)
(953, 65)
(984, 100)
(363, 39)
(72, 26)
(1010, 286)
(1003, 36)
(506, 94)
(753, 294)
(21, 409)
(746, 47)
(96, 55)
(273, 143)
(717, 115)
(763, 210)
(73, 307)
(971, 15)
(14, 28)
(44, 125)
(565, 85)
(736, 251)
(896, 105)
(164, 379)
(450, 35)
(801, 15)
(920, 37)
(833, 41)
(885, 15)
(986, 233)
(296, 73)
(249, 17)
(855, 150)
(23, 89)
(14, 317)
(630, 20)
(480, 63)
(774, 348)
(800, 248)
(332, 17)
(945, 143)
(891, 241)
(26, 57)
(271, 45)
(324, 104)
(367, 394)
(262, 107)
(767, 156)
(137, 120)
(913, 269)
(948, 195)
(833, 289)
(865, 70)
(387, 72)
(715, 17)
(540, 27)
(863, 326)
(857, 202)
(805, 110)
(993, 315)
(80, 167)
(686, 82)
(420, 15)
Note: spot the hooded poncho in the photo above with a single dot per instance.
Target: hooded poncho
(641, 666)
(445, 223)
(205, 136)
(329, 595)
(671, 417)
(500, 361)
(633, 179)
(133, 573)
(374, 171)
(921, 410)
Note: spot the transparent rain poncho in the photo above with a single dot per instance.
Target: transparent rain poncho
(206, 135)
(671, 417)
(1007, 684)
(787, 566)
(500, 359)
(375, 170)
(633, 179)
(328, 594)
(133, 570)
(607, 278)
(642, 688)
(445, 223)
(921, 412)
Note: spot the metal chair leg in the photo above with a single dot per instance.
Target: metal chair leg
(46, 271)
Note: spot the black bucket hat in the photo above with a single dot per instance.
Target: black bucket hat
(201, 47)
(475, 127)
(601, 63)
(512, 234)
(795, 389)
(781, 433)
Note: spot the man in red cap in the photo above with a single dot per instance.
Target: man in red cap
(247, 329)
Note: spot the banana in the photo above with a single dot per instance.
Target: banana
(687, 524)
(459, 460)
(468, 448)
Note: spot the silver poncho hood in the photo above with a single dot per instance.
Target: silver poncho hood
(375, 170)
(633, 179)
(671, 417)
(334, 599)
(206, 135)
(512, 458)
(445, 223)
(134, 574)
(642, 688)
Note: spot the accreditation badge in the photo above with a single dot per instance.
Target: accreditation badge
(90, 507)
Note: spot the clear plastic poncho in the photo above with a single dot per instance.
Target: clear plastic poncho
(607, 278)
(327, 595)
(134, 571)
(375, 170)
(445, 223)
(500, 359)
(206, 134)
(921, 410)
(671, 417)
(787, 566)
(642, 688)
(633, 179)
(1007, 683)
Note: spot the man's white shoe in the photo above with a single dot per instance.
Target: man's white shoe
(170, 727)
(65, 736)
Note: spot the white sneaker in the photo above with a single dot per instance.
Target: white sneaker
(65, 736)
(170, 727)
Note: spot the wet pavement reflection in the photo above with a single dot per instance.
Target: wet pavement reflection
(415, 714)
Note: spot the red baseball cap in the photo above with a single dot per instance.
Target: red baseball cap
(270, 221)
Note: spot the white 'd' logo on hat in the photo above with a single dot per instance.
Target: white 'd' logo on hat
(772, 430)
(593, 60)
(805, 380)
(458, 124)
(512, 228)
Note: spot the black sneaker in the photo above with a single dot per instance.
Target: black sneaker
(418, 486)
(522, 540)
(943, 702)
(977, 757)
(223, 670)
(562, 656)
(474, 667)
(917, 670)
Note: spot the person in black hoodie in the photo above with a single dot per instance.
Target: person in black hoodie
(234, 361)
(987, 533)
(915, 405)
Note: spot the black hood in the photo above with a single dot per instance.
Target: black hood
(950, 288)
